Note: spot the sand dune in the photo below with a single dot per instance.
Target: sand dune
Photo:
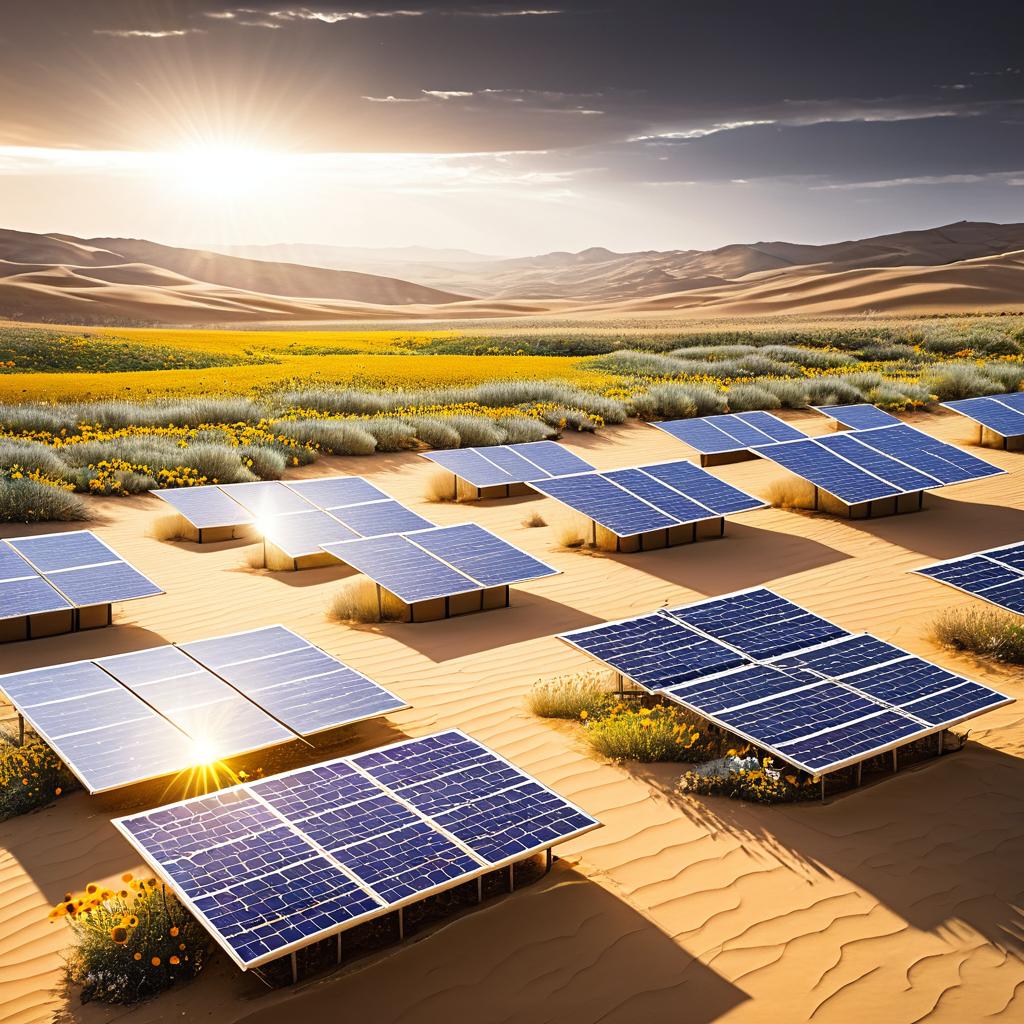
(897, 903)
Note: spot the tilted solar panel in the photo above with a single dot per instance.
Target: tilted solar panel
(996, 576)
(266, 498)
(943, 461)
(730, 432)
(379, 518)
(1000, 413)
(271, 866)
(716, 495)
(1011, 555)
(1014, 399)
(664, 498)
(473, 466)
(304, 533)
(850, 446)
(553, 458)
(701, 434)
(205, 507)
(497, 465)
(858, 417)
(331, 492)
(22, 590)
(516, 465)
(606, 503)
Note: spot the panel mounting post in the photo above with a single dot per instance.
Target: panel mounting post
(295, 968)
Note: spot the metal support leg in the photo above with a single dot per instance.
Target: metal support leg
(940, 742)
(295, 968)
(338, 954)
(823, 789)
(895, 761)
(549, 859)
(21, 730)
(511, 878)
(860, 771)
(593, 532)
(401, 924)
(480, 889)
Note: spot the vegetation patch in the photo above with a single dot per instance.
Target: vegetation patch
(130, 943)
(625, 731)
(576, 697)
(990, 632)
(741, 776)
(31, 776)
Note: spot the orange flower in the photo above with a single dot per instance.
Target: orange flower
(119, 935)
(126, 877)
(174, 932)
(174, 960)
(136, 956)
(155, 961)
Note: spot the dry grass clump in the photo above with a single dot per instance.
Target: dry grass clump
(26, 501)
(571, 535)
(520, 429)
(790, 492)
(628, 732)
(266, 462)
(390, 435)
(333, 437)
(571, 697)
(534, 519)
(170, 527)
(357, 601)
(31, 775)
(744, 397)
(440, 487)
(476, 431)
(435, 432)
(990, 632)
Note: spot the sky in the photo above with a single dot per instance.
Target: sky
(507, 127)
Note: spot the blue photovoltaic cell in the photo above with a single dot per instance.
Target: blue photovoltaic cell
(205, 507)
(701, 435)
(828, 471)
(849, 446)
(903, 681)
(950, 706)
(839, 657)
(776, 429)
(299, 684)
(858, 417)
(790, 716)
(936, 458)
(402, 568)
(662, 497)
(759, 623)
(551, 457)
(266, 497)
(331, 492)
(996, 576)
(700, 486)
(483, 557)
(304, 533)
(472, 466)
(654, 650)
(379, 518)
(12, 565)
(103, 584)
(1014, 399)
(993, 412)
(52, 552)
(851, 742)
(512, 462)
(601, 500)
(1012, 556)
(711, 695)
(22, 590)
(1009, 596)
(711, 435)
(282, 862)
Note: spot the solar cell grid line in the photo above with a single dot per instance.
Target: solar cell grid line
(996, 576)
(712, 694)
(606, 503)
(839, 657)
(664, 498)
(23, 591)
(654, 651)
(334, 492)
(516, 464)
(1011, 555)
(849, 446)
(480, 555)
(991, 412)
(766, 423)
(700, 434)
(472, 466)
(205, 507)
(267, 498)
(702, 487)
(403, 568)
(956, 704)
(553, 458)
(929, 455)
(1014, 399)
(106, 735)
(379, 518)
(858, 416)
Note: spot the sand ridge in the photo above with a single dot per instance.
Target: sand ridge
(900, 902)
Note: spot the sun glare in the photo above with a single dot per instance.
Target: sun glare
(223, 171)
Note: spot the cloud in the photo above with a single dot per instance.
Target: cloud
(700, 133)
(137, 33)
(275, 18)
(395, 99)
(999, 177)
(446, 94)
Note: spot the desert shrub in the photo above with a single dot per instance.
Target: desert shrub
(672, 400)
(534, 520)
(262, 460)
(562, 418)
(942, 339)
(892, 397)
(625, 732)
(572, 534)
(1009, 375)
(130, 943)
(815, 358)
(833, 390)
(357, 601)
(576, 697)
(790, 492)
(745, 778)
(440, 487)
(333, 437)
(343, 401)
(743, 397)
(391, 435)
(521, 429)
(34, 417)
(26, 501)
(434, 432)
(888, 353)
(792, 394)
(960, 380)
(214, 461)
(987, 631)
(713, 352)
(32, 457)
(476, 431)
(31, 775)
(630, 363)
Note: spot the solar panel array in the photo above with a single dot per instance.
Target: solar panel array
(882, 462)
(274, 865)
(647, 498)
(1003, 414)
(59, 571)
(786, 680)
(730, 432)
(440, 562)
(131, 717)
(300, 516)
(497, 465)
(996, 575)
(858, 417)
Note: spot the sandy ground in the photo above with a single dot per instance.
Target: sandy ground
(900, 902)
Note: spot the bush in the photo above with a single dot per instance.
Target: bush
(132, 943)
(31, 775)
(662, 733)
(562, 418)
(435, 432)
(33, 457)
(262, 460)
(987, 631)
(533, 520)
(390, 435)
(744, 397)
(682, 400)
(575, 697)
(571, 535)
(333, 437)
(357, 601)
(960, 380)
(834, 390)
(522, 429)
(792, 394)
(745, 778)
(26, 501)
(476, 431)
(1009, 375)
(790, 492)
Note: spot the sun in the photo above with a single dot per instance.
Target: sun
(222, 171)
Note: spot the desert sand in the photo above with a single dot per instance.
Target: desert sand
(899, 902)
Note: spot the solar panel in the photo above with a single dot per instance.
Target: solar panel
(480, 555)
(331, 492)
(797, 686)
(607, 503)
(654, 651)
(1014, 399)
(22, 590)
(83, 568)
(850, 446)
(858, 417)
(498, 465)
(303, 533)
(205, 507)
(945, 462)
(1003, 414)
(379, 518)
(664, 498)
(996, 576)
(699, 485)
(730, 432)
(296, 682)
(104, 733)
(266, 497)
(277, 864)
